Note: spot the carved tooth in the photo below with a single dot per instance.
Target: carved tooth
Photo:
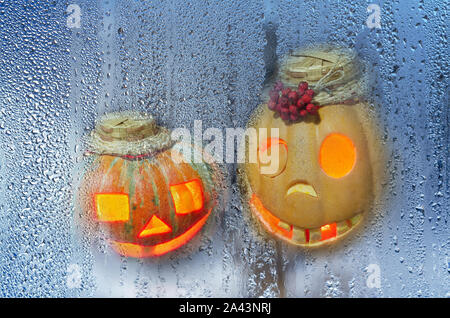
(342, 227)
(356, 219)
(298, 235)
(284, 225)
(314, 235)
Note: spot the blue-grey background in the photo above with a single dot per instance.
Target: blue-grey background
(197, 59)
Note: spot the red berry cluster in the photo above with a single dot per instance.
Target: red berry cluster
(290, 104)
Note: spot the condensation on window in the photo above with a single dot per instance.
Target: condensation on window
(64, 64)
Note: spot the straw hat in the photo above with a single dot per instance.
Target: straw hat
(335, 74)
(128, 133)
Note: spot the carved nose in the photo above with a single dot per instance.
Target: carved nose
(153, 227)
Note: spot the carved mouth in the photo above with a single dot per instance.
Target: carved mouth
(302, 236)
(140, 251)
(302, 187)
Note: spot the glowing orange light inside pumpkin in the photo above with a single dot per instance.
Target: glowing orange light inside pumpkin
(138, 251)
(268, 218)
(337, 155)
(154, 226)
(328, 231)
(112, 207)
(187, 197)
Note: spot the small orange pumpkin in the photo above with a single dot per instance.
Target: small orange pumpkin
(140, 190)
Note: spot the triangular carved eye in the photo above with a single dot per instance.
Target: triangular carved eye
(154, 226)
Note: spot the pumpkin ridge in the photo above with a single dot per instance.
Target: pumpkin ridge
(155, 189)
(121, 182)
(131, 184)
(141, 190)
(108, 170)
(179, 168)
(149, 170)
(165, 191)
(139, 184)
(169, 198)
(130, 171)
(169, 161)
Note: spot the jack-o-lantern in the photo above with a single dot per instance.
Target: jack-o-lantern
(140, 190)
(326, 156)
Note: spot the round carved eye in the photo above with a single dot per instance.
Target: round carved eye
(272, 157)
(337, 155)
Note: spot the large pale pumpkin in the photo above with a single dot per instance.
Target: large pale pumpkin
(140, 191)
(327, 166)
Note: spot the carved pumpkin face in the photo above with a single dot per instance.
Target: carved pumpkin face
(147, 205)
(324, 179)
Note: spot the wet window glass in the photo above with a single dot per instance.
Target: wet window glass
(95, 201)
